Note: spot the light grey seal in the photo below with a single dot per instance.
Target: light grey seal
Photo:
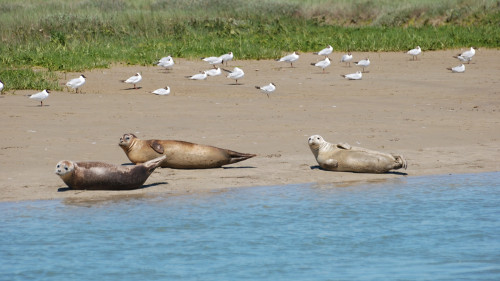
(346, 158)
(104, 176)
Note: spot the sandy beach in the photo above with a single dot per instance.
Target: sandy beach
(442, 122)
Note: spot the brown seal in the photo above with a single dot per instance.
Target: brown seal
(180, 154)
(104, 176)
(346, 158)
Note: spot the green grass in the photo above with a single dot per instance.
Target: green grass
(61, 35)
(27, 78)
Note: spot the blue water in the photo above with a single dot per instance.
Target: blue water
(416, 228)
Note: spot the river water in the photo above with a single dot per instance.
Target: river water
(414, 228)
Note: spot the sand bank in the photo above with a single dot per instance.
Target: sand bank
(442, 122)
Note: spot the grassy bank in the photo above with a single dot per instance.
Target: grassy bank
(78, 35)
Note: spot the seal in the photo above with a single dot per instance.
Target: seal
(104, 176)
(345, 158)
(180, 154)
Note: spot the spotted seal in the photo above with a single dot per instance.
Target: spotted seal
(180, 154)
(345, 158)
(104, 176)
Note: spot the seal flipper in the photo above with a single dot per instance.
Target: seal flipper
(344, 146)
(401, 161)
(152, 164)
(238, 156)
(156, 146)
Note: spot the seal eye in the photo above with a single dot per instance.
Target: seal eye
(66, 168)
(127, 138)
(58, 166)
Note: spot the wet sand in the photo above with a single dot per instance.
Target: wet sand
(442, 122)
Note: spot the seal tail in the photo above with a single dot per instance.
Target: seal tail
(401, 161)
(238, 156)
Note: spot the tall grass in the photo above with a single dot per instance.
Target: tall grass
(25, 79)
(76, 35)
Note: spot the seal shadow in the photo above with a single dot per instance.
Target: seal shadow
(397, 173)
(317, 167)
(240, 167)
(64, 189)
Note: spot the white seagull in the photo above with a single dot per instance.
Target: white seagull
(162, 91)
(363, 63)
(199, 76)
(457, 69)
(415, 52)
(226, 57)
(236, 74)
(41, 96)
(291, 58)
(77, 82)
(214, 72)
(267, 88)
(213, 60)
(463, 59)
(1, 86)
(467, 54)
(166, 62)
(325, 52)
(353, 76)
(322, 64)
(347, 58)
(134, 79)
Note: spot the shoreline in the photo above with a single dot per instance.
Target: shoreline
(124, 195)
(442, 122)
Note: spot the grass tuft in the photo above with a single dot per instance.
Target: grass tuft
(27, 79)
